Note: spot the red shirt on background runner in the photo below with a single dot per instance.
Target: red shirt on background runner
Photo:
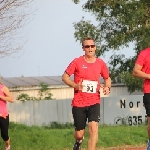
(3, 104)
(144, 61)
(90, 73)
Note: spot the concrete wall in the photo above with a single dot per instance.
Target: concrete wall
(113, 111)
(66, 92)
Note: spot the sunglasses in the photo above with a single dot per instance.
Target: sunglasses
(88, 46)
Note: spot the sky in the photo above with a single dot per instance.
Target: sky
(50, 45)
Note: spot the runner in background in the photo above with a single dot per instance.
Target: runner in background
(142, 70)
(5, 96)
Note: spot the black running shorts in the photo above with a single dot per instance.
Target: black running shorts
(4, 124)
(146, 101)
(83, 114)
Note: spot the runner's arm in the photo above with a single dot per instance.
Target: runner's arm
(8, 96)
(66, 79)
(137, 72)
(107, 85)
(107, 82)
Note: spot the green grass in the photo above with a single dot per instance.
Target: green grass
(60, 137)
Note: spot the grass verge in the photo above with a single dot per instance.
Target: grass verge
(60, 137)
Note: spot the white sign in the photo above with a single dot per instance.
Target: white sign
(124, 110)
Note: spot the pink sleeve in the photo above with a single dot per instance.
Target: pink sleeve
(105, 72)
(71, 68)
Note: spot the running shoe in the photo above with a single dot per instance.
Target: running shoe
(77, 145)
(148, 145)
(7, 148)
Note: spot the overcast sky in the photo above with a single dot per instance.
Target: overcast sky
(51, 45)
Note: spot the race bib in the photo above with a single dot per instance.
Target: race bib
(89, 86)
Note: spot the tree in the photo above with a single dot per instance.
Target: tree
(43, 94)
(13, 15)
(120, 22)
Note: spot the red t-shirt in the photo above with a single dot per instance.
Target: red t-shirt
(87, 72)
(3, 107)
(144, 61)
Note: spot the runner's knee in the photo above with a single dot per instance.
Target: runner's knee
(79, 134)
(5, 137)
(93, 127)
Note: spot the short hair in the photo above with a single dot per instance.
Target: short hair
(87, 38)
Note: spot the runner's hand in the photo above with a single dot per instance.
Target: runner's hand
(79, 86)
(3, 115)
(106, 90)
